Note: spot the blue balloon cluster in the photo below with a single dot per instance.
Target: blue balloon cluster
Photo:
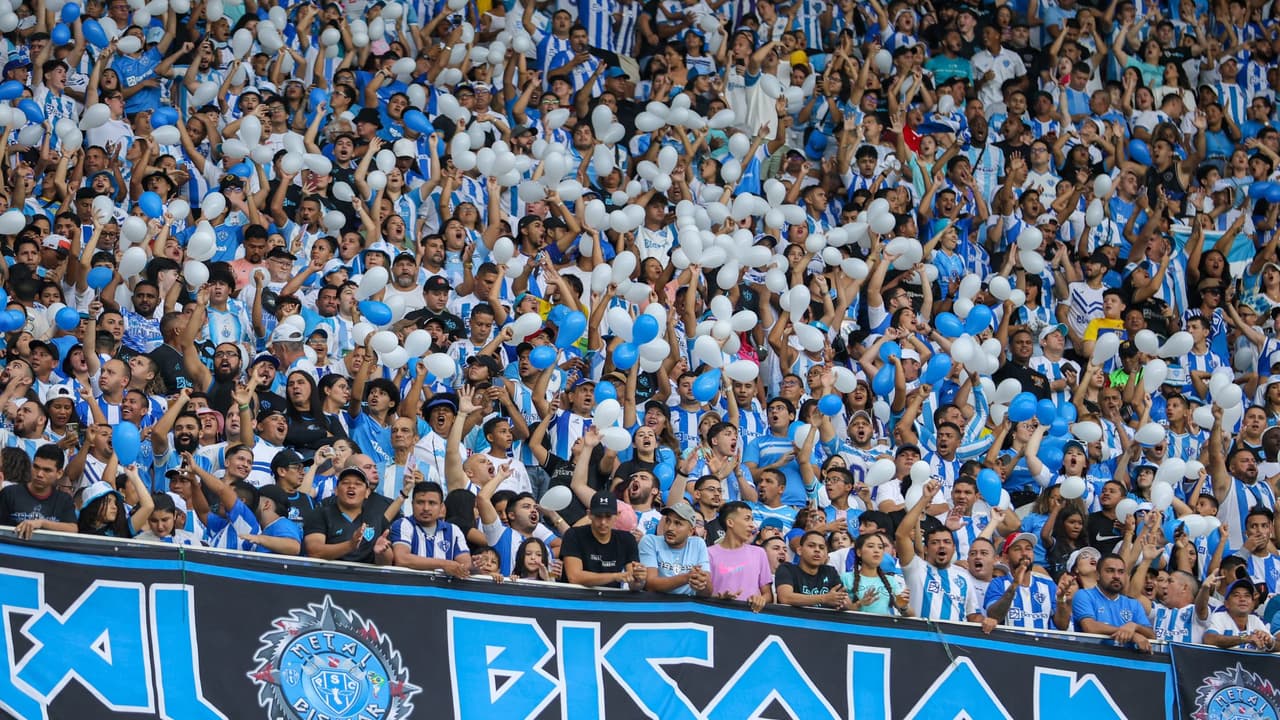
(979, 319)
(1022, 407)
(70, 13)
(605, 391)
(60, 34)
(883, 381)
(938, 367)
(10, 90)
(94, 33)
(1265, 190)
(949, 324)
(99, 277)
(644, 329)
(890, 349)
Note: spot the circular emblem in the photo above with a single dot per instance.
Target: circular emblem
(328, 662)
(1237, 694)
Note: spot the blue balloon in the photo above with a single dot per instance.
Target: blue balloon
(665, 473)
(10, 90)
(67, 319)
(979, 319)
(1068, 412)
(1051, 457)
(605, 391)
(938, 368)
(1171, 528)
(126, 443)
(830, 405)
(542, 357)
(151, 204)
(99, 277)
(707, 385)
(644, 329)
(1139, 152)
(7, 323)
(625, 356)
(32, 110)
(70, 13)
(1273, 193)
(989, 486)
(557, 313)
(94, 33)
(575, 323)
(1259, 189)
(416, 121)
(60, 34)
(375, 312)
(164, 115)
(1046, 412)
(4, 298)
(1022, 407)
(949, 324)
(890, 349)
(883, 381)
(242, 170)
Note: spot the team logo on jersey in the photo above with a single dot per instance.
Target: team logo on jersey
(328, 662)
(1237, 694)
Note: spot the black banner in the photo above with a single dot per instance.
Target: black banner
(137, 630)
(1216, 684)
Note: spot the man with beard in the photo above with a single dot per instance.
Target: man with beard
(425, 540)
(981, 565)
(219, 383)
(1025, 599)
(521, 519)
(353, 525)
(1236, 483)
(675, 559)
(404, 280)
(777, 450)
(938, 590)
(29, 422)
(1105, 610)
(184, 424)
(595, 555)
(142, 327)
(433, 256)
(708, 498)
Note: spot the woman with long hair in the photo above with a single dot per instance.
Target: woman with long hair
(308, 426)
(335, 396)
(871, 589)
(1068, 535)
(1083, 566)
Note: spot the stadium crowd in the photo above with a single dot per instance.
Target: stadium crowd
(963, 312)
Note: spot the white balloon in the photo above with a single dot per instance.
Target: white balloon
(1094, 214)
(921, 471)
(373, 280)
(606, 413)
(616, 439)
(1170, 471)
(202, 246)
(881, 472)
(1072, 487)
(1125, 508)
(12, 222)
(1087, 432)
(134, 229)
(213, 205)
(130, 44)
(376, 180)
(527, 324)
(1102, 186)
(999, 287)
(1230, 397)
(1154, 374)
(1031, 262)
(845, 380)
(250, 130)
(384, 341)
(1105, 348)
(417, 343)
(1177, 345)
(1203, 417)
(742, 371)
(167, 135)
(333, 220)
(557, 498)
(1030, 239)
(440, 365)
(1191, 469)
(132, 262)
(194, 272)
(317, 163)
(707, 350)
(1150, 434)
(1147, 342)
(291, 163)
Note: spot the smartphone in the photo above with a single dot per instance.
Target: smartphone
(75, 429)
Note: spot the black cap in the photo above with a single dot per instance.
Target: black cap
(369, 115)
(906, 447)
(287, 457)
(1099, 258)
(266, 412)
(604, 503)
(47, 347)
(436, 283)
(356, 472)
(276, 494)
(488, 362)
(521, 130)
(279, 253)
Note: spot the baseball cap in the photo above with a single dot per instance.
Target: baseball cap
(487, 361)
(682, 510)
(276, 494)
(436, 283)
(522, 130)
(582, 381)
(279, 253)
(1009, 541)
(99, 490)
(286, 332)
(287, 457)
(266, 357)
(333, 266)
(1048, 330)
(1082, 553)
(369, 115)
(267, 412)
(179, 504)
(907, 447)
(54, 392)
(47, 347)
(1242, 582)
(909, 354)
(356, 472)
(1099, 258)
(614, 72)
(442, 400)
(604, 503)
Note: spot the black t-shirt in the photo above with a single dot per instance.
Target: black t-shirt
(329, 521)
(169, 360)
(1103, 533)
(1031, 381)
(802, 582)
(561, 473)
(714, 531)
(452, 323)
(307, 433)
(610, 557)
(17, 504)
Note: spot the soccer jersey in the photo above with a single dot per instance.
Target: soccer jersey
(937, 593)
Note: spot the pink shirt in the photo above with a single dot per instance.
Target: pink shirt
(741, 572)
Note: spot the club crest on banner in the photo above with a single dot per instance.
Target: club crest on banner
(1237, 694)
(325, 661)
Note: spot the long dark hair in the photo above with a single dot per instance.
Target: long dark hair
(89, 523)
(857, 568)
(520, 571)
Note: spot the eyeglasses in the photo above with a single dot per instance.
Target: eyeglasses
(226, 354)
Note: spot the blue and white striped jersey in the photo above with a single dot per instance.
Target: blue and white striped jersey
(937, 593)
(1032, 607)
(444, 541)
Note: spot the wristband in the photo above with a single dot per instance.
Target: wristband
(244, 407)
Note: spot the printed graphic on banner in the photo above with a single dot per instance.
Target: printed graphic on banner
(328, 662)
(1237, 694)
